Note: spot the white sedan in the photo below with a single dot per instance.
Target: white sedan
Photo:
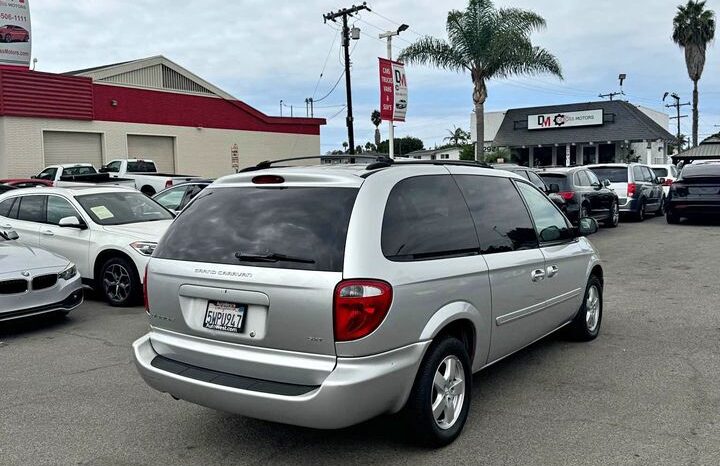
(34, 281)
(108, 232)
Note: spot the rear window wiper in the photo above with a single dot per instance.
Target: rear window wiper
(271, 257)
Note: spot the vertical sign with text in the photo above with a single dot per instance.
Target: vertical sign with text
(393, 90)
(15, 33)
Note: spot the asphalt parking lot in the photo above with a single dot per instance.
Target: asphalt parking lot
(647, 391)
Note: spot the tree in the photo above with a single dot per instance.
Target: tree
(682, 142)
(345, 146)
(376, 120)
(457, 137)
(402, 145)
(693, 29)
(467, 152)
(488, 43)
(498, 153)
(370, 147)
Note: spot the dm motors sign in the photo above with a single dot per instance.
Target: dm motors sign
(15, 33)
(393, 90)
(566, 120)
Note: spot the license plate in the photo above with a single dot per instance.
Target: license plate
(228, 317)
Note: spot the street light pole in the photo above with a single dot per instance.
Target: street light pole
(391, 129)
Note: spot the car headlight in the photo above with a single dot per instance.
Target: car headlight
(69, 272)
(143, 247)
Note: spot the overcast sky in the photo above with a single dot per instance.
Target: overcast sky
(265, 51)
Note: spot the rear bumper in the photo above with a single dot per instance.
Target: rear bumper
(630, 204)
(693, 208)
(356, 390)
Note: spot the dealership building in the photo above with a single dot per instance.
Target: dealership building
(579, 134)
(149, 108)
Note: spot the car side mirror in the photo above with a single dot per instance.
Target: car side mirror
(34, 177)
(10, 235)
(554, 188)
(587, 226)
(606, 183)
(71, 222)
(103, 169)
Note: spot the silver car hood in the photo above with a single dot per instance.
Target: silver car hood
(16, 256)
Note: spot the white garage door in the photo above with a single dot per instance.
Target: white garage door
(159, 149)
(67, 147)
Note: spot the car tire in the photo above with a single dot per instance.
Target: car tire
(640, 214)
(586, 324)
(8, 38)
(672, 218)
(661, 208)
(614, 219)
(119, 282)
(438, 384)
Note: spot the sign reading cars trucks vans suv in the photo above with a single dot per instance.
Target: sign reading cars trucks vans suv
(393, 90)
(565, 120)
(15, 33)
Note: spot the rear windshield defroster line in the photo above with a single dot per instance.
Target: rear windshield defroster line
(265, 225)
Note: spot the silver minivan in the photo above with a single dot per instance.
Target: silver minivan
(324, 296)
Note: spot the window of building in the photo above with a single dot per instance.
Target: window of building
(426, 218)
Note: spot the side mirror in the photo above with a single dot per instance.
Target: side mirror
(71, 222)
(34, 177)
(103, 169)
(554, 188)
(606, 183)
(10, 235)
(587, 226)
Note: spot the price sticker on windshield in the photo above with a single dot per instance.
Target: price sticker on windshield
(102, 212)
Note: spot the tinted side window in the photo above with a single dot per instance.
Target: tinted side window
(6, 206)
(550, 224)
(59, 208)
(591, 176)
(113, 167)
(32, 209)
(537, 181)
(48, 174)
(638, 174)
(649, 175)
(426, 218)
(502, 221)
(581, 178)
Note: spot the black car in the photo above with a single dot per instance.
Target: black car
(531, 174)
(696, 194)
(584, 194)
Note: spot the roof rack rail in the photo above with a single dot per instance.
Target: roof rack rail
(351, 157)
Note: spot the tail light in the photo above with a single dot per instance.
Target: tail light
(145, 292)
(632, 187)
(168, 183)
(667, 182)
(567, 195)
(360, 307)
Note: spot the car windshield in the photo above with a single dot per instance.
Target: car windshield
(120, 208)
(141, 167)
(614, 174)
(556, 178)
(660, 172)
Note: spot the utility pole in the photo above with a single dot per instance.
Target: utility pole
(309, 106)
(676, 106)
(391, 128)
(332, 16)
(621, 77)
(281, 106)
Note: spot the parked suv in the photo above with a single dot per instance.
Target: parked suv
(584, 194)
(637, 186)
(324, 296)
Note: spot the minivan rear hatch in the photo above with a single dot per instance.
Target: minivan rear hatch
(255, 265)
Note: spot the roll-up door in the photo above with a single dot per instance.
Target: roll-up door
(70, 147)
(160, 149)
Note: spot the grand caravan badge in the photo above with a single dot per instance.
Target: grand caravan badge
(224, 273)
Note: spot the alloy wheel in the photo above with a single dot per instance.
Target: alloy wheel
(615, 214)
(117, 283)
(448, 393)
(592, 309)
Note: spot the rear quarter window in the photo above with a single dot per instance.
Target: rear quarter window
(307, 223)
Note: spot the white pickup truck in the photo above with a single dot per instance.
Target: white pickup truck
(144, 172)
(72, 174)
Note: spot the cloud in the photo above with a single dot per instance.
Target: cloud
(263, 52)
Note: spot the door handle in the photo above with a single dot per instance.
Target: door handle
(537, 275)
(552, 271)
(48, 233)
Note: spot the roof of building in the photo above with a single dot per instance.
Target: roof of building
(156, 72)
(709, 147)
(621, 121)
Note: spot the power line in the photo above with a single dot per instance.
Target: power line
(337, 33)
(395, 22)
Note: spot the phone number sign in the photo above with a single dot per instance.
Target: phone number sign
(393, 90)
(15, 33)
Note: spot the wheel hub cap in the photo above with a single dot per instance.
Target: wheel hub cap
(448, 393)
(116, 281)
(592, 308)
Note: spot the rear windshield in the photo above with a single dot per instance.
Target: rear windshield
(556, 178)
(614, 174)
(306, 225)
(660, 172)
(705, 171)
(141, 167)
(75, 171)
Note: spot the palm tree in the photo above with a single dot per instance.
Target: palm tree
(488, 43)
(693, 29)
(376, 120)
(457, 136)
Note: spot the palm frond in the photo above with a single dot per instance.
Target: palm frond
(431, 51)
(530, 61)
